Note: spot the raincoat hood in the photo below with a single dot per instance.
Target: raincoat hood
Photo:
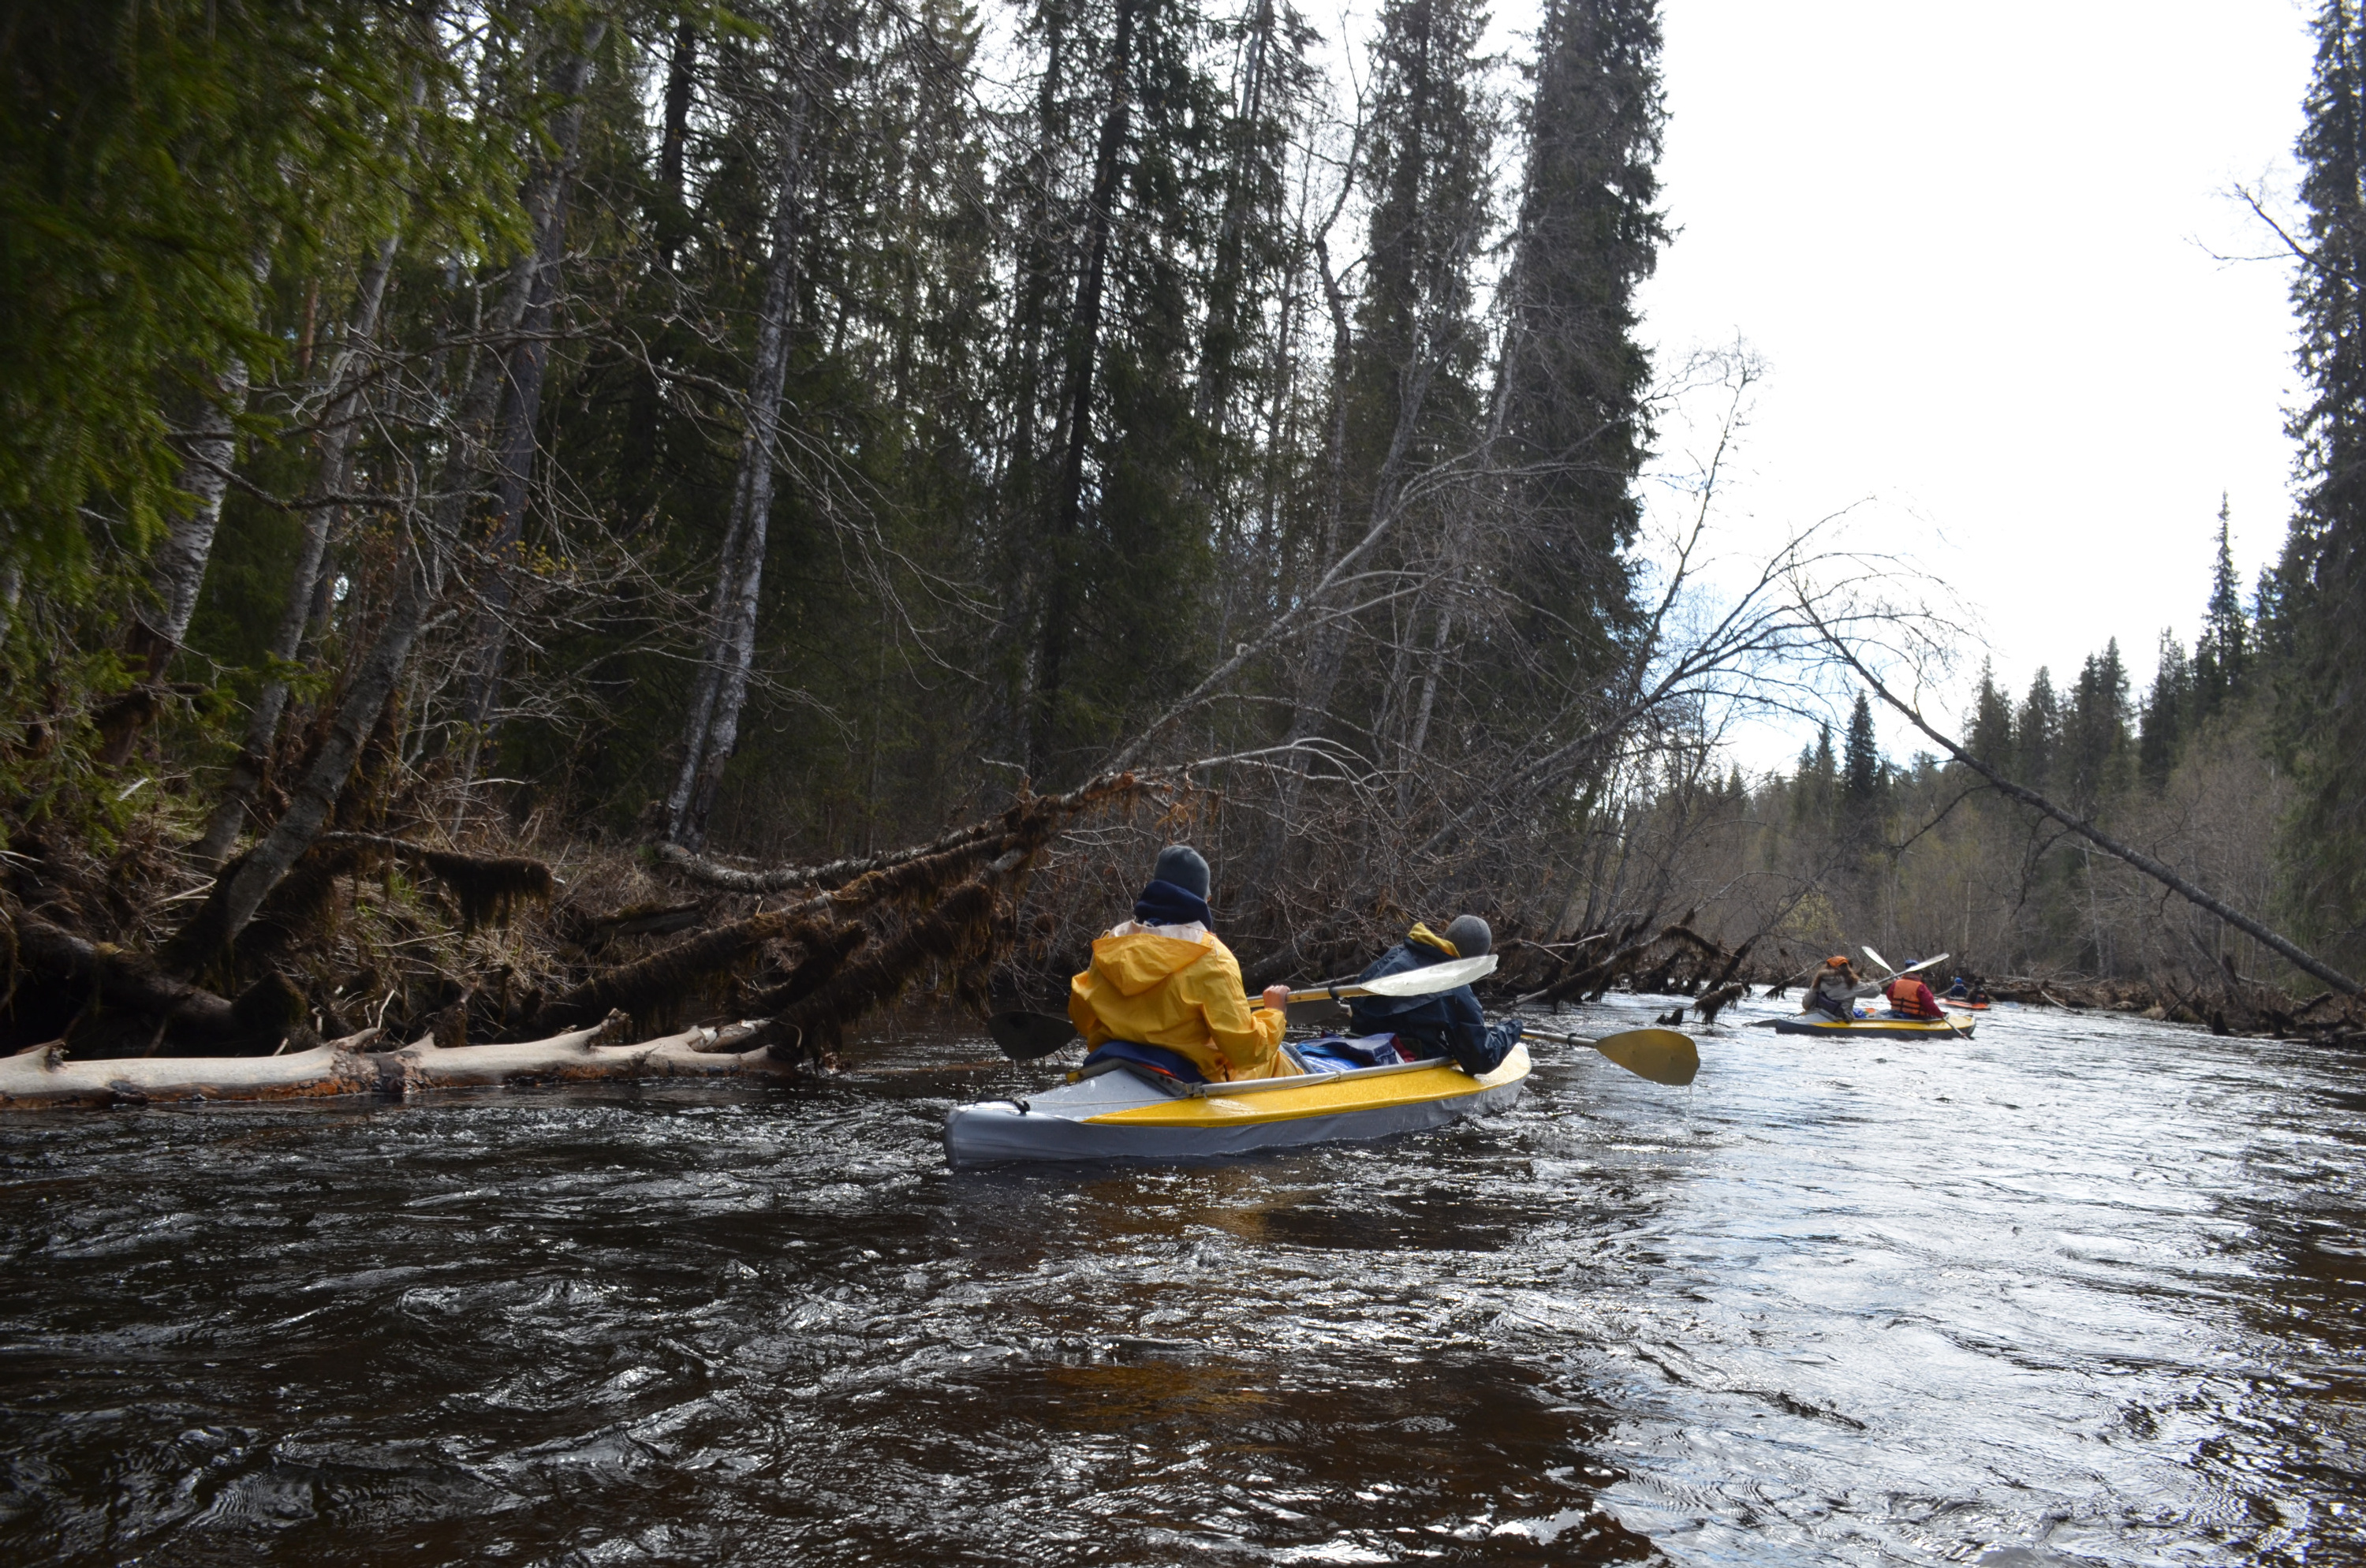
(1135, 963)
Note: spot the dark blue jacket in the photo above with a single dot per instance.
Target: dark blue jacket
(1443, 1023)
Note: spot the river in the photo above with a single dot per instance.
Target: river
(2083, 1290)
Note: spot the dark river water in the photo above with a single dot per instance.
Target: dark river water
(2087, 1290)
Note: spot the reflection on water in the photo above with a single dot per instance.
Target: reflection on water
(2083, 1290)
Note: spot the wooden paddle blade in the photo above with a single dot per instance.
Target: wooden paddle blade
(1024, 1037)
(1662, 1055)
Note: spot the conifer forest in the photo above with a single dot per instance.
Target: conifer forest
(521, 515)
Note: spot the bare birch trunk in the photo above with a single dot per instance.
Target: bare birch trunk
(1419, 740)
(340, 418)
(176, 573)
(720, 692)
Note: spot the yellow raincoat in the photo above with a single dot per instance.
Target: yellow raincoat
(1185, 996)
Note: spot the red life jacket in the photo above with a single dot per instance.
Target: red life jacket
(1910, 995)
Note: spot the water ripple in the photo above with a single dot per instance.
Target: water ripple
(2085, 1288)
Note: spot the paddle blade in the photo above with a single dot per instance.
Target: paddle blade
(1662, 1055)
(1023, 1036)
(1431, 978)
(1926, 963)
(1878, 961)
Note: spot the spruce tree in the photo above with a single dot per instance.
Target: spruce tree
(1811, 800)
(1572, 378)
(2095, 732)
(2222, 653)
(2165, 707)
(2036, 732)
(1990, 729)
(2321, 578)
(1861, 772)
(1414, 399)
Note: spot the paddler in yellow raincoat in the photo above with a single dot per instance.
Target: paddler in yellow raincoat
(1164, 993)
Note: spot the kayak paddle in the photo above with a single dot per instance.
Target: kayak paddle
(1662, 1055)
(1909, 969)
(1023, 1036)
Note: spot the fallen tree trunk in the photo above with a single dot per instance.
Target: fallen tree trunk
(977, 838)
(114, 974)
(119, 986)
(42, 1078)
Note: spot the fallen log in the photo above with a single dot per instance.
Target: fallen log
(119, 985)
(1026, 818)
(42, 1078)
(121, 977)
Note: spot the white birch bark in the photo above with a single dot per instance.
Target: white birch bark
(176, 573)
(712, 732)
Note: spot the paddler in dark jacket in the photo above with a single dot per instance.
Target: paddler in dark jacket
(1445, 1023)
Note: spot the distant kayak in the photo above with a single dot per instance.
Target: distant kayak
(1873, 1028)
(1967, 1007)
(1130, 1114)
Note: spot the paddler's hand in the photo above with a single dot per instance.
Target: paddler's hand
(1277, 997)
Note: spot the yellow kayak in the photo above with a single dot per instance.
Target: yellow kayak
(1125, 1113)
(1878, 1028)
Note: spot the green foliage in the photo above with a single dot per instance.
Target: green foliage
(2166, 709)
(2318, 624)
(160, 161)
(1573, 377)
(1988, 733)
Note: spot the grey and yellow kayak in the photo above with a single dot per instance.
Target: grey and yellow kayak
(1128, 1113)
(1877, 1027)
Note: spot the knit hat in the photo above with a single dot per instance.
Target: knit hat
(1183, 866)
(1470, 935)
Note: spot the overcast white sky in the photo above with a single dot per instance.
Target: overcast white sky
(1973, 244)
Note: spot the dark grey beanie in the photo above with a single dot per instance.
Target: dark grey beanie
(1181, 864)
(1470, 935)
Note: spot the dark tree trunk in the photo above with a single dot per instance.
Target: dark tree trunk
(1084, 354)
(525, 364)
(340, 417)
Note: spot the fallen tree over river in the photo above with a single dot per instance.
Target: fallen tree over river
(98, 1016)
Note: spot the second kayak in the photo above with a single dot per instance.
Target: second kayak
(1875, 1028)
